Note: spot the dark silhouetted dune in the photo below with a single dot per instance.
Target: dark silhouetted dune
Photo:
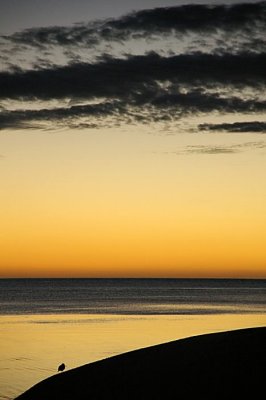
(219, 365)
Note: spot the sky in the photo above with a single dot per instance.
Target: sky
(132, 139)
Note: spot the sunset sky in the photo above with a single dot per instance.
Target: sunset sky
(132, 138)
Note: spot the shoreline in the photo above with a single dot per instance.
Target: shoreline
(205, 365)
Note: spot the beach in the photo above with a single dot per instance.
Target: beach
(212, 365)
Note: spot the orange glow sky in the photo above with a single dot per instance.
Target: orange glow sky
(123, 203)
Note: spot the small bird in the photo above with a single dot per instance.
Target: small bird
(61, 367)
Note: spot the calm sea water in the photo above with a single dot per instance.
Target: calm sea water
(44, 322)
(131, 296)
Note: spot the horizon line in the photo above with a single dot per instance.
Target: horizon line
(132, 278)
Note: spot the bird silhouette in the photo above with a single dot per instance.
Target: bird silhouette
(61, 367)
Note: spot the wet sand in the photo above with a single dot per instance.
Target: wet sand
(226, 364)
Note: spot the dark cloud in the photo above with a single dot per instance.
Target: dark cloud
(253, 126)
(108, 114)
(25, 118)
(215, 29)
(168, 20)
(125, 78)
(138, 88)
(98, 115)
(57, 35)
(199, 101)
(192, 17)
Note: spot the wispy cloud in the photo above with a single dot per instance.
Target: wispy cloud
(211, 150)
(253, 126)
(218, 149)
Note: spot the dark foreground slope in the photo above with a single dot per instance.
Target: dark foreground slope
(226, 364)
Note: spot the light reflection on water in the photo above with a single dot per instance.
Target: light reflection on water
(32, 346)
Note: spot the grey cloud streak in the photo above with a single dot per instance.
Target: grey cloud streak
(215, 29)
(218, 149)
(158, 21)
(241, 127)
(122, 112)
(24, 118)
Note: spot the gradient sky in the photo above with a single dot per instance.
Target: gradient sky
(134, 144)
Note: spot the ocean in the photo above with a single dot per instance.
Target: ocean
(44, 322)
(131, 296)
